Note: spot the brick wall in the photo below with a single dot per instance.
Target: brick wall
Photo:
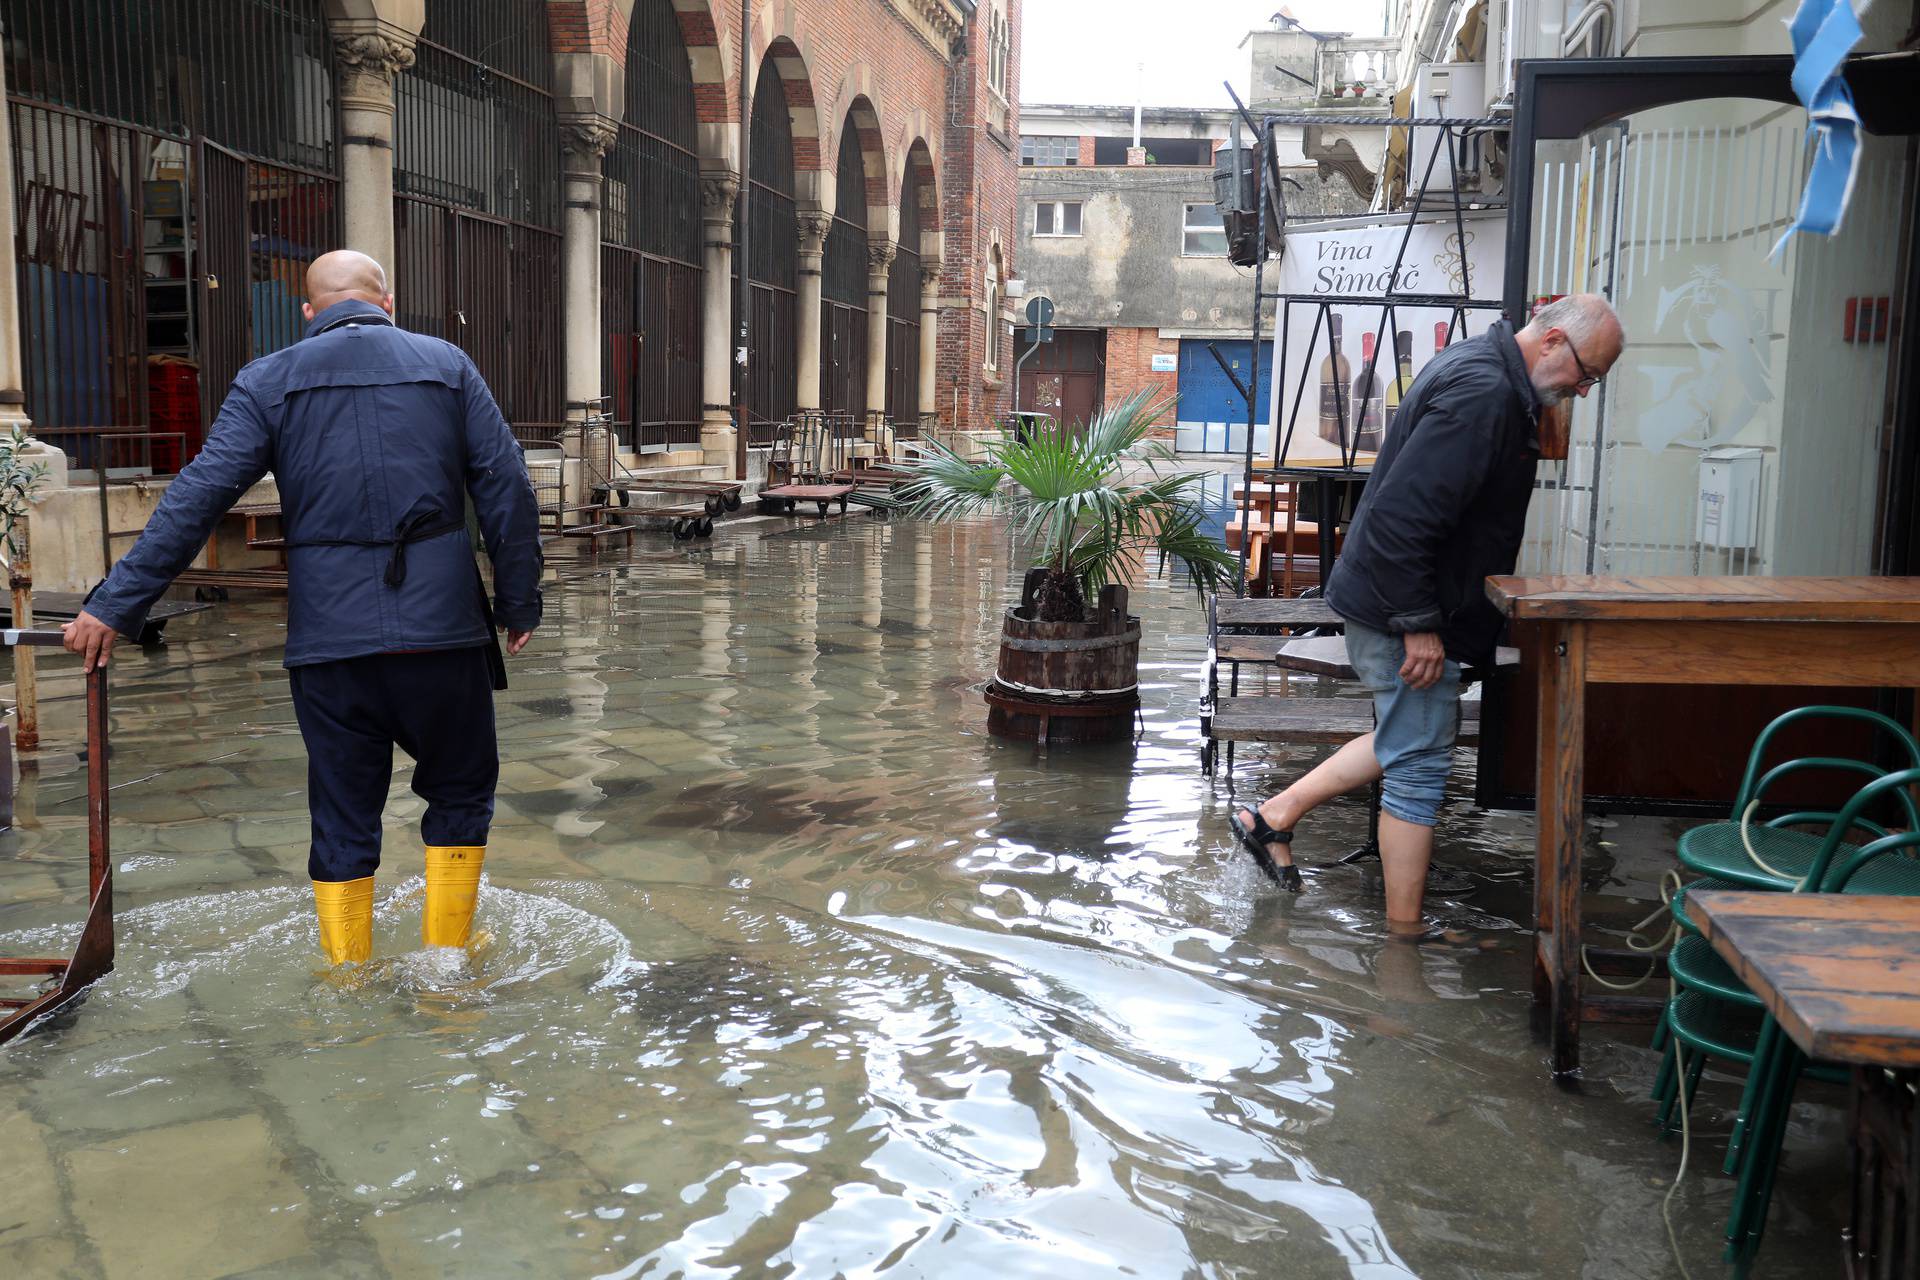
(1130, 355)
(1086, 150)
(868, 48)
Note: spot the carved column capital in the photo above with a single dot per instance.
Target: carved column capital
(880, 255)
(718, 192)
(930, 275)
(815, 224)
(587, 139)
(368, 61)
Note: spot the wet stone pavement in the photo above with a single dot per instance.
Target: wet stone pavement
(795, 972)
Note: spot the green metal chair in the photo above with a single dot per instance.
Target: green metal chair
(1719, 850)
(1884, 866)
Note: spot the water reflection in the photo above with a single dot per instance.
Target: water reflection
(793, 971)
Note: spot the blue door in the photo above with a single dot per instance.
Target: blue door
(1213, 414)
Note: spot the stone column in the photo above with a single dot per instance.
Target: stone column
(718, 190)
(929, 340)
(814, 226)
(13, 415)
(368, 61)
(880, 254)
(586, 140)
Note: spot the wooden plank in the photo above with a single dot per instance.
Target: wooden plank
(1855, 654)
(1312, 721)
(1246, 648)
(1234, 612)
(1317, 721)
(32, 967)
(1841, 972)
(1721, 599)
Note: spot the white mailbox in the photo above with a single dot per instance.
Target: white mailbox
(1729, 515)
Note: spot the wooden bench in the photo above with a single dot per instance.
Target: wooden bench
(1329, 722)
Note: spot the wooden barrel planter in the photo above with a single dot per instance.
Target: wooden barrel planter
(1067, 681)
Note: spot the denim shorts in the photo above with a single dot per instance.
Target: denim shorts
(1414, 729)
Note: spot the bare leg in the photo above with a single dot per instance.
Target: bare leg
(1405, 850)
(1350, 768)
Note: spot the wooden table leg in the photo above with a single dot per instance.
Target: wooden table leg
(1562, 801)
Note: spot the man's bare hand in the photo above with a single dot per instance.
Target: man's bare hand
(517, 640)
(91, 638)
(1426, 660)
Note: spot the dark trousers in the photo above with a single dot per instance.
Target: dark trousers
(438, 707)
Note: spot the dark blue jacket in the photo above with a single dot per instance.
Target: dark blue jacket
(1446, 505)
(369, 430)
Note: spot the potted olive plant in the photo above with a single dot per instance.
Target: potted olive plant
(1090, 504)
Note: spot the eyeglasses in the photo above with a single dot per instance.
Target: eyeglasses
(1587, 380)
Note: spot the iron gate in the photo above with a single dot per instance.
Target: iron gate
(477, 202)
(162, 226)
(903, 315)
(843, 293)
(650, 254)
(774, 263)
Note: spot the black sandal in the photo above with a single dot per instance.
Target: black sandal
(1255, 842)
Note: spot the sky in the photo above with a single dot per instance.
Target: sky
(1085, 51)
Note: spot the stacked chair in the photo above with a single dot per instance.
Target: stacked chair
(1711, 1013)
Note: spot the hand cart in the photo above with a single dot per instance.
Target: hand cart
(66, 980)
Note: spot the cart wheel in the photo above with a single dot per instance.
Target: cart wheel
(823, 508)
(843, 506)
(712, 504)
(733, 500)
(619, 498)
(703, 527)
(682, 530)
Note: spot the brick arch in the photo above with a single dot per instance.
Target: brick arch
(918, 157)
(783, 58)
(589, 26)
(716, 62)
(864, 120)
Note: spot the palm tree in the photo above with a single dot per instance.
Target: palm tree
(1089, 516)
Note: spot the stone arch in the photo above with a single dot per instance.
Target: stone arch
(783, 58)
(917, 159)
(863, 120)
(715, 61)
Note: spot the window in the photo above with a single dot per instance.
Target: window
(1194, 151)
(1202, 234)
(999, 51)
(993, 310)
(1062, 218)
(1049, 151)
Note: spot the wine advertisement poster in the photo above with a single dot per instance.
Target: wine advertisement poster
(1357, 362)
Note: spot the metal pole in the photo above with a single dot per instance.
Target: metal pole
(26, 697)
(743, 301)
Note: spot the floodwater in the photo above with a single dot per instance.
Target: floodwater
(796, 972)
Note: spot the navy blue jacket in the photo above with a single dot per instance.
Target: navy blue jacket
(1446, 505)
(368, 430)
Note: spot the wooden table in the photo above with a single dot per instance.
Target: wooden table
(1841, 973)
(1858, 632)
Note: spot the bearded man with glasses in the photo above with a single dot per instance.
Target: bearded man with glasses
(1444, 509)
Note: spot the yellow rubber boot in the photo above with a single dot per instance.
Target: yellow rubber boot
(345, 909)
(453, 883)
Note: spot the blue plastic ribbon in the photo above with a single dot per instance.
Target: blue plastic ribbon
(1823, 33)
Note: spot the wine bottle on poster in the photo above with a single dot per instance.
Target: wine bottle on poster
(1440, 331)
(1334, 373)
(1402, 376)
(1367, 399)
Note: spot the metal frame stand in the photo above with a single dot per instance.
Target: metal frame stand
(93, 954)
